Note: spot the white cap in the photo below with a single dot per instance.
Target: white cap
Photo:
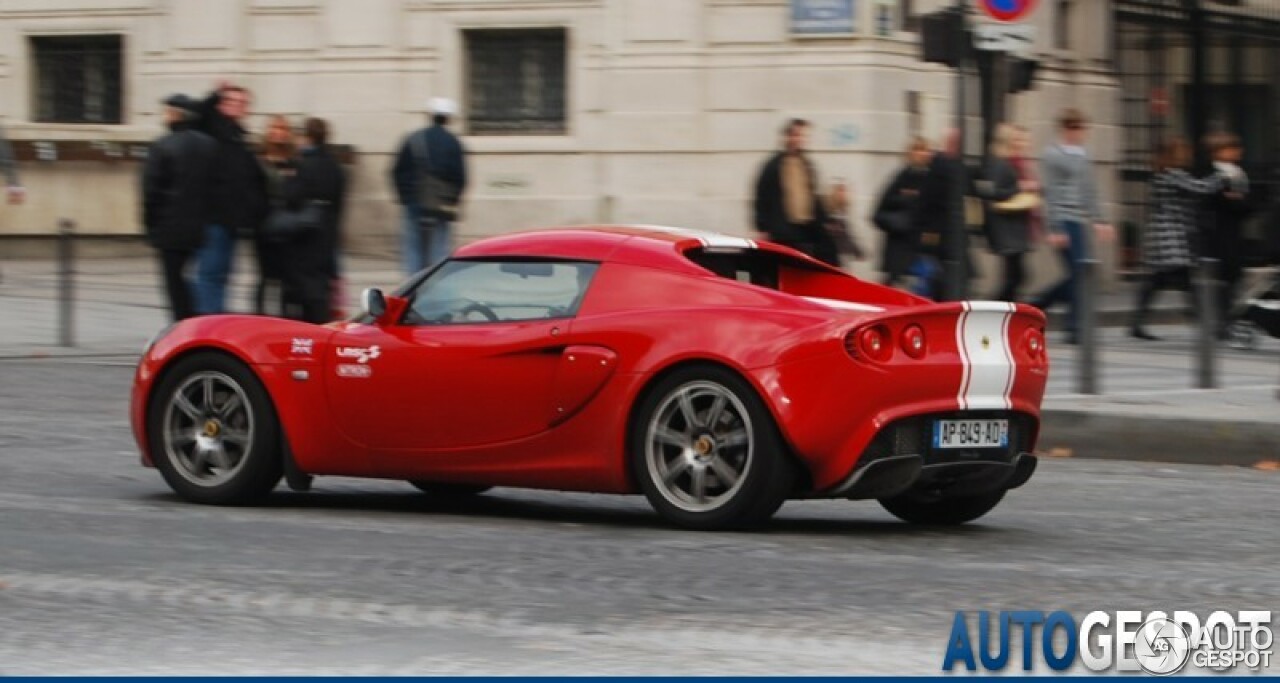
(442, 106)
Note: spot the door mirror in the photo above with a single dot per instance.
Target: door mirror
(374, 303)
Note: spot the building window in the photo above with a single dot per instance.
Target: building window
(77, 79)
(915, 113)
(908, 20)
(516, 81)
(1062, 26)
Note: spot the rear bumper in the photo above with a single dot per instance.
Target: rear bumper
(901, 457)
(897, 474)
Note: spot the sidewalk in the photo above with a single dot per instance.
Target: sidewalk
(1148, 410)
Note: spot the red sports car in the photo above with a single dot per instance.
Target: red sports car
(716, 375)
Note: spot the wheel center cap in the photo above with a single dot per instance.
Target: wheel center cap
(703, 445)
(212, 428)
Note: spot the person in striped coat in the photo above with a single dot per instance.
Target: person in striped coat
(1176, 200)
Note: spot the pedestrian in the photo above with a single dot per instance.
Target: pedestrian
(895, 213)
(936, 213)
(1071, 207)
(1224, 223)
(239, 194)
(788, 209)
(14, 191)
(1176, 200)
(278, 165)
(430, 177)
(839, 222)
(176, 198)
(320, 183)
(1011, 198)
(13, 187)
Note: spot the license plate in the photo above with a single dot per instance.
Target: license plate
(971, 434)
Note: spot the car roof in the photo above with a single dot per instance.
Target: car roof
(650, 245)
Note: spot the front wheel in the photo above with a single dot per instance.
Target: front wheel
(706, 451)
(213, 431)
(916, 509)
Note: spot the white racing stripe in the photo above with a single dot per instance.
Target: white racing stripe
(982, 337)
(714, 240)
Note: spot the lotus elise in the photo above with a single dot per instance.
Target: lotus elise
(717, 376)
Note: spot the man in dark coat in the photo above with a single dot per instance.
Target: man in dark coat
(312, 264)
(787, 206)
(240, 201)
(430, 158)
(895, 214)
(176, 198)
(935, 218)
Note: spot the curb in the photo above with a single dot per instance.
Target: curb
(1110, 436)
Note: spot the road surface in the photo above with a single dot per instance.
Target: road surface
(103, 570)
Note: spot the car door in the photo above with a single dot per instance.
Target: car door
(470, 364)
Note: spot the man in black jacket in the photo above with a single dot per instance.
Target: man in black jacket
(312, 265)
(787, 206)
(239, 187)
(176, 198)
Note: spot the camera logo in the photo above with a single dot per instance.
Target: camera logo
(1162, 647)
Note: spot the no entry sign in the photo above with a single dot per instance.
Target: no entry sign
(1007, 10)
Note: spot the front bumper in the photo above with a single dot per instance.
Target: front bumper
(901, 458)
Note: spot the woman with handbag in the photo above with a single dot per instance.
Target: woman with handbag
(1012, 196)
(278, 165)
(895, 214)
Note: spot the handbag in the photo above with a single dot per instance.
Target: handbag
(893, 222)
(1023, 201)
(439, 198)
(284, 225)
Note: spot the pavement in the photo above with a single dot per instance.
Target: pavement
(1148, 408)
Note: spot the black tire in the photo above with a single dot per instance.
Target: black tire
(941, 511)
(766, 473)
(258, 468)
(453, 491)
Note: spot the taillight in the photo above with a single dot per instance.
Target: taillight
(913, 341)
(872, 342)
(1033, 342)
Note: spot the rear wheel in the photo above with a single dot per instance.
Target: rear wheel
(918, 509)
(706, 452)
(441, 490)
(213, 431)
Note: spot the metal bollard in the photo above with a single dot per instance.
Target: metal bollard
(1207, 297)
(1087, 326)
(66, 282)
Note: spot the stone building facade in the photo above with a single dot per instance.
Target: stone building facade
(650, 111)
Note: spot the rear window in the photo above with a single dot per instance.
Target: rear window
(755, 266)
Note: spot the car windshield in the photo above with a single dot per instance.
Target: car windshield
(491, 291)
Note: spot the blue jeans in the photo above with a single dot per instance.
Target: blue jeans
(1065, 290)
(424, 243)
(213, 269)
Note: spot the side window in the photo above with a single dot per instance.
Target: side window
(469, 292)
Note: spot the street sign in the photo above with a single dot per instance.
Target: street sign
(823, 17)
(1004, 37)
(1007, 10)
